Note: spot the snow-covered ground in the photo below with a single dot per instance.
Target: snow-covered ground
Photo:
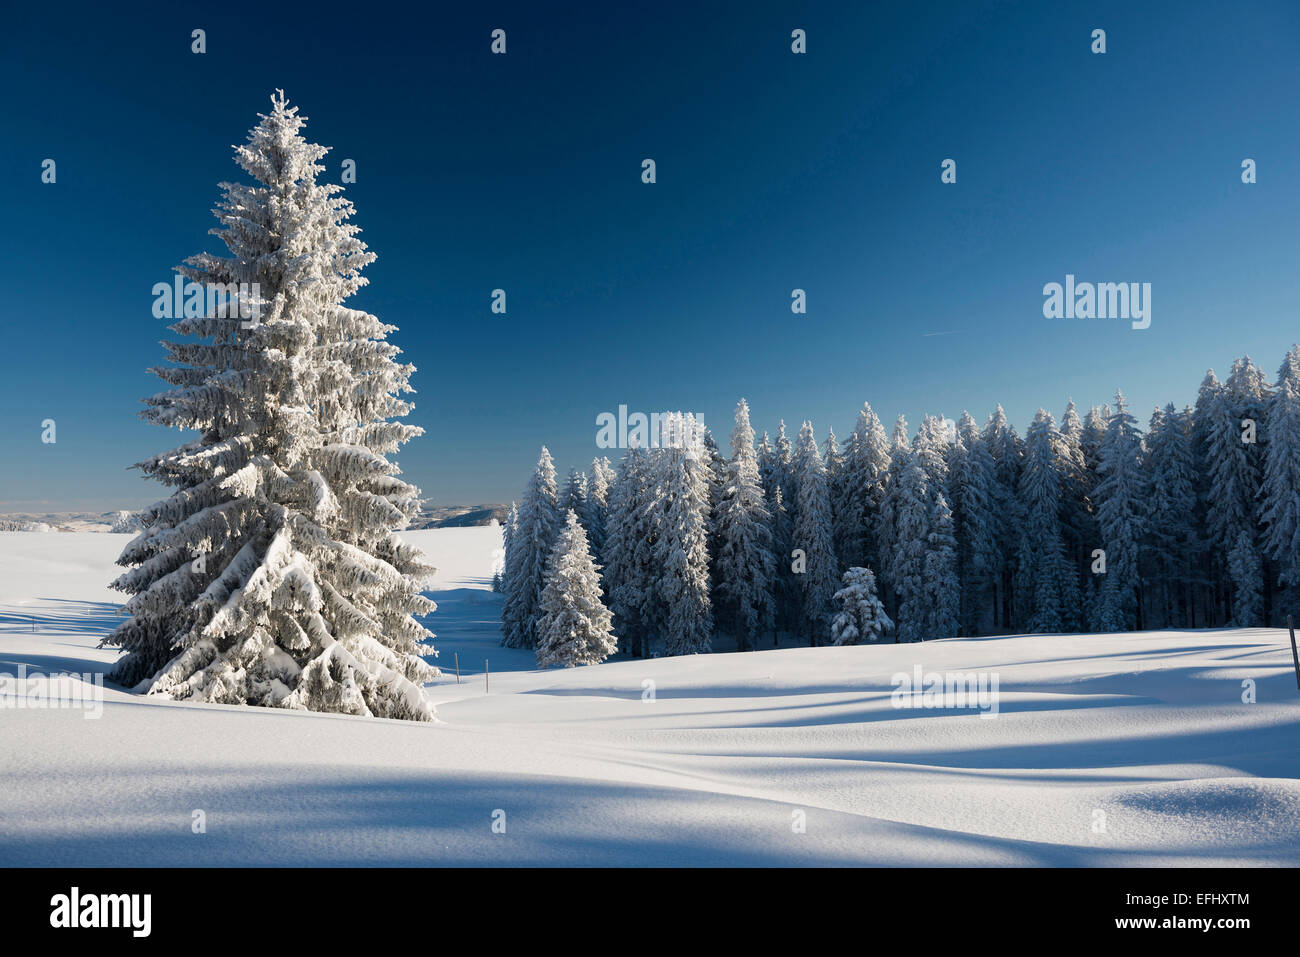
(1107, 749)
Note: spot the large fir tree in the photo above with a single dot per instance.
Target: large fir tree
(273, 574)
(744, 566)
(574, 626)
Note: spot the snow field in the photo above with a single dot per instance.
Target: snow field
(1126, 749)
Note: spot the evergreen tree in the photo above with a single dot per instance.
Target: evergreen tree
(1249, 391)
(509, 555)
(717, 477)
(1247, 572)
(833, 460)
(1078, 525)
(1122, 495)
(1047, 576)
(942, 580)
(536, 529)
(1210, 415)
(813, 534)
(574, 627)
(784, 471)
(632, 533)
(973, 477)
(1171, 535)
(596, 507)
(575, 494)
(861, 617)
(885, 530)
(682, 476)
(1004, 446)
(785, 590)
(273, 574)
(931, 445)
(942, 585)
(1233, 481)
(923, 566)
(909, 522)
(745, 566)
(1094, 433)
(767, 468)
(717, 465)
(1280, 492)
(865, 470)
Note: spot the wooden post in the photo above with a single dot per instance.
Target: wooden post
(1295, 655)
(487, 676)
(457, 657)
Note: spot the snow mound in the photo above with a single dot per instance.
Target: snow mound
(1223, 811)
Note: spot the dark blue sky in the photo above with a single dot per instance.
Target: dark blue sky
(775, 171)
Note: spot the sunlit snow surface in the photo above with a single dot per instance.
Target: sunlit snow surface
(1108, 750)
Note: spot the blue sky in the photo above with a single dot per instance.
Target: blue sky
(775, 172)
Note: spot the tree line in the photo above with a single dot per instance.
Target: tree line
(1089, 524)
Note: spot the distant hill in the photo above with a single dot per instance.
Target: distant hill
(433, 516)
(114, 521)
(460, 516)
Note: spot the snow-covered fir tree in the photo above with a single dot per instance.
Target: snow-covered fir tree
(1004, 446)
(973, 480)
(744, 567)
(942, 586)
(1209, 414)
(784, 472)
(537, 524)
(1078, 524)
(574, 496)
(860, 616)
(1122, 498)
(1247, 573)
(785, 587)
(509, 555)
(833, 460)
(632, 531)
(682, 476)
(1280, 490)
(884, 529)
(909, 529)
(574, 626)
(1047, 577)
(717, 466)
(767, 470)
(1233, 480)
(1170, 530)
(273, 574)
(813, 535)
(923, 563)
(596, 506)
(931, 446)
(866, 473)
(1249, 391)
(942, 582)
